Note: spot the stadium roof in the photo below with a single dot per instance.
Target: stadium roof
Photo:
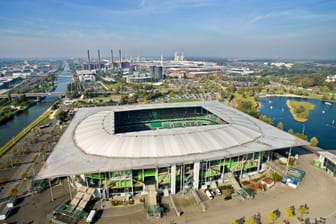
(89, 144)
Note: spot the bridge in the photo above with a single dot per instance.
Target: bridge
(14, 95)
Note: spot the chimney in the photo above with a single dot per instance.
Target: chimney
(112, 66)
(120, 58)
(99, 59)
(88, 54)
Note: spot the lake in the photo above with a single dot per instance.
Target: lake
(321, 121)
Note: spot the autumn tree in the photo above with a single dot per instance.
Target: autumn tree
(3, 180)
(272, 216)
(280, 125)
(289, 213)
(303, 210)
(13, 192)
(250, 220)
(314, 141)
(24, 176)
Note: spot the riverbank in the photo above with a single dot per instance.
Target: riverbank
(21, 120)
(313, 97)
(8, 112)
(25, 131)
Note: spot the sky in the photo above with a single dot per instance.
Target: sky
(288, 29)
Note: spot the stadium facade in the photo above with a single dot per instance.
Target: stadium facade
(177, 146)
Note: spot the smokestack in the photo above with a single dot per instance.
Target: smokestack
(88, 54)
(99, 59)
(112, 59)
(120, 58)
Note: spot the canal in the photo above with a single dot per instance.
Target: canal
(20, 121)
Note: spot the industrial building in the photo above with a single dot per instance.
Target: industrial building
(125, 149)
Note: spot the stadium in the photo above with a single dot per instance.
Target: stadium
(124, 149)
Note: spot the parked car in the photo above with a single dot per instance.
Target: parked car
(218, 191)
(209, 194)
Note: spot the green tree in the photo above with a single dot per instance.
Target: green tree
(280, 125)
(314, 141)
(124, 100)
(246, 106)
(60, 115)
(290, 131)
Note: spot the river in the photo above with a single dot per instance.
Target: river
(20, 121)
(321, 121)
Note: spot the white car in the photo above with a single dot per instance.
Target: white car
(218, 192)
(209, 194)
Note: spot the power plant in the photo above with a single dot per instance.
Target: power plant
(104, 64)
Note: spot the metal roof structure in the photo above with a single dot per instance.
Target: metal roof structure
(89, 145)
(329, 155)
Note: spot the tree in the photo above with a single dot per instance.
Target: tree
(123, 100)
(34, 159)
(3, 180)
(26, 150)
(302, 136)
(246, 106)
(314, 141)
(60, 115)
(250, 220)
(48, 139)
(290, 131)
(13, 192)
(272, 217)
(24, 176)
(289, 213)
(303, 210)
(17, 162)
(280, 125)
(266, 119)
(41, 150)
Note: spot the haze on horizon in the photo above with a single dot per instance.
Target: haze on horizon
(302, 29)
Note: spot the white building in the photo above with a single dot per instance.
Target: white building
(173, 146)
(331, 78)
